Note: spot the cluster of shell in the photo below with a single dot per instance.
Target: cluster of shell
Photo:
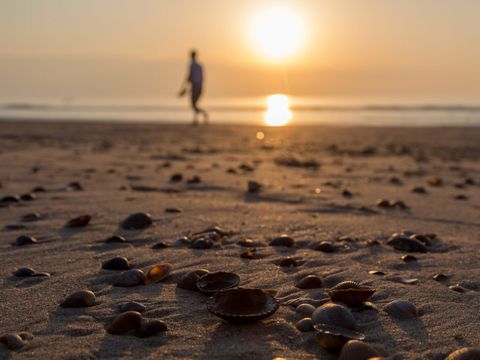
(410, 241)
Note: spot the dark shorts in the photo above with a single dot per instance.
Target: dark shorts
(196, 92)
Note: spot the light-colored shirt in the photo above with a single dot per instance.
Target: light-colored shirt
(196, 74)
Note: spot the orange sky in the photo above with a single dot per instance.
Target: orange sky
(123, 48)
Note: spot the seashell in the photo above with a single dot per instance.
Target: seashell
(12, 341)
(334, 314)
(176, 177)
(419, 190)
(420, 237)
(282, 240)
(401, 309)
(28, 197)
(304, 325)
(440, 277)
(246, 243)
(160, 245)
(115, 239)
(130, 278)
(182, 240)
(75, 185)
(38, 189)
(159, 272)
(194, 180)
(376, 272)
(287, 262)
(213, 282)
(408, 258)
(326, 247)
(201, 243)
(383, 203)
(333, 338)
(457, 288)
(189, 280)
(350, 293)
(242, 305)
(14, 227)
(150, 328)
(406, 244)
(173, 210)
(251, 254)
(82, 298)
(465, 354)
(116, 263)
(305, 309)
(79, 221)
(25, 240)
(24, 272)
(137, 221)
(30, 217)
(357, 350)
(347, 193)
(213, 229)
(309, 282)
(435, 182)
(9, 199)
(406, 281)
(408, 232)
(131, 306)
(127, 321)
(398, 204)
(254, 187)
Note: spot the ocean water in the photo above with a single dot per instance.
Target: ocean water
(250, 110)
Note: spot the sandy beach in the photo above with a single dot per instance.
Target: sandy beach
(317, 184)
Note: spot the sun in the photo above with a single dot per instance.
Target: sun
(278, 33)
(278, 110)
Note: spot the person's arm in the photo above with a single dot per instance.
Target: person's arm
(186, 81)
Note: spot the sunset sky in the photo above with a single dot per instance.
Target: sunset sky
(138, 48)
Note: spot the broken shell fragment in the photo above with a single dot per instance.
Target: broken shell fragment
(309, 282)
(242, 305)
(401, 309)
(189, 280)
(116, 263)
(150, 328)
(357, 350)
(82, 298)
(465, 354)
(159, 272)
(130, 278)
(137, 221)
(79, 221)
(127, 321)
(350, 293)
(213, 282)
(404, 243)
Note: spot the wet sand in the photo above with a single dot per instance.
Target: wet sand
(304, 172)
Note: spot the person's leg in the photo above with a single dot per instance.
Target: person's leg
(196, 91)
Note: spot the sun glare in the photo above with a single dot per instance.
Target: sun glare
(278, 33)
(278, 110)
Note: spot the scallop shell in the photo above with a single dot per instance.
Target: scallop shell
(79, 221)
(334, 314)
(282, 240)
(116, 263)
(189, 280)
(150, 328)
(242, 305)
(127, 321)
(350, 293)
(465, 354)
(304, 325)
(309, 282)
(401, 309)
(130, 278)
(12, 341)
(406, 244)
(333, 338)
(82, 298)
(357, 350)
(159, 272)
(213, 282)
(25, 240)
(131, 306)
(137, 221)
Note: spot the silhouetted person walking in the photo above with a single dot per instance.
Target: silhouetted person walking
(195, 79)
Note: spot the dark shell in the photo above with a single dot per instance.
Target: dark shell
(79, 221)
(12, 341)
(287, 262)
(251, 254)
(326, 247)
(353, 296)
(440, 277)
(383, 203)
(304, 325)
(176, 177)
(406, 244)
(376, 272)
(173, 210)
(127, 321)
(14, 227)
(24, 272)
(28, 197)
(333, 338)
(131, 306)
(408, 258)
(194, 180)
(116, 263)
(115, 239)
(334, 314)
(214, 229)
(150, 328)
(305, 309)
(25, 240)
(247, 243)
(419, 190)
(131, 278)
(8, 199)
(357, 350)
(37, 189)
(82, 298)
(254, 187)
(401, 309)
(242, 305)
(201, 244)
(457, 288)
(75, 185)
(189, 280)
(159, 272)
(282, 240)
(213, 282)
(160, 245)
(465, 354)
(31, 217)
(309, 282)
(137, 221)
(398, 204)
(422, 238)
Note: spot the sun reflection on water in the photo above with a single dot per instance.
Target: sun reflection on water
(278, 110)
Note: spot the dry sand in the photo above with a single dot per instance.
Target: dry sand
(111, 160)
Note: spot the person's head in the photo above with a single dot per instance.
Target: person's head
(193, 54)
